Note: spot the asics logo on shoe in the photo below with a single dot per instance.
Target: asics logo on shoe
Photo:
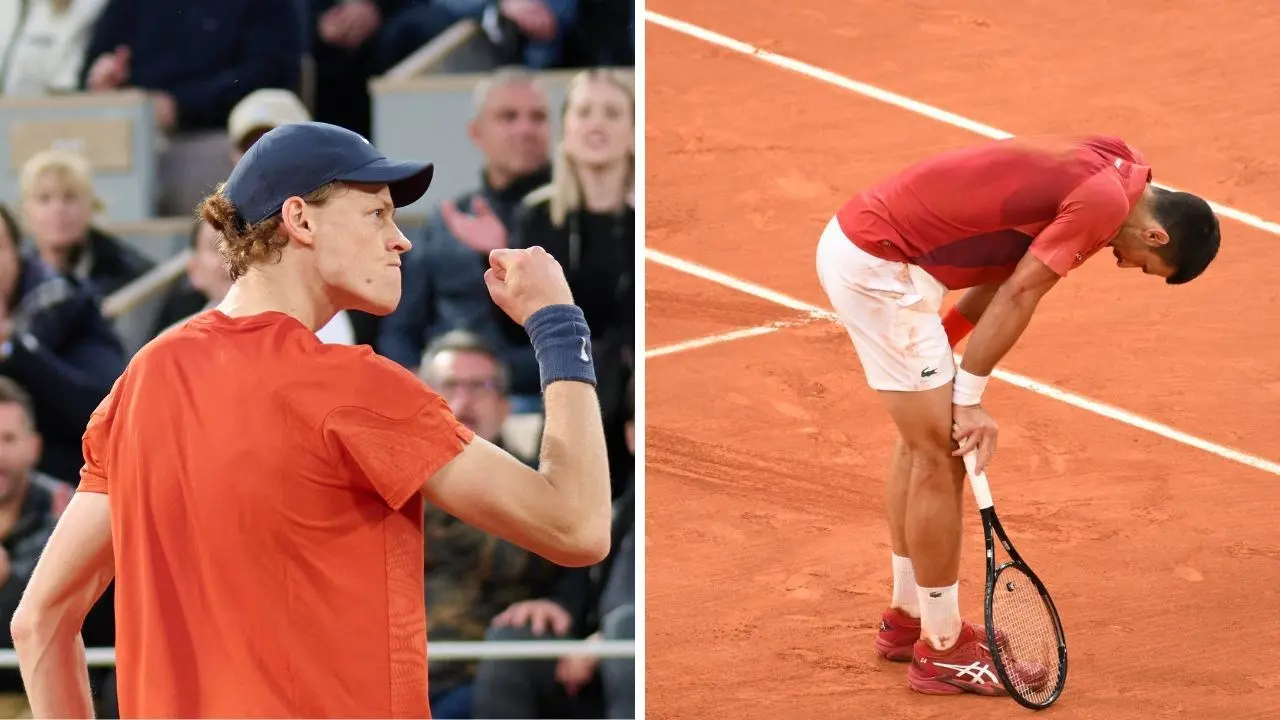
(978, 673)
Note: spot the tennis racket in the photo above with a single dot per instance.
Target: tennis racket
(1031, 654)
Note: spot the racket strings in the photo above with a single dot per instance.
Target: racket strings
(1027, 636)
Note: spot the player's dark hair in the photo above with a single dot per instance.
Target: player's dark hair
(1193, 233)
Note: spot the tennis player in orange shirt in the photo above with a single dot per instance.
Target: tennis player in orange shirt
(258, 495)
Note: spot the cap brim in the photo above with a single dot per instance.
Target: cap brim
(408, 181)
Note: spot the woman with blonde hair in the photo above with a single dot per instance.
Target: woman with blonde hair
(58, 205)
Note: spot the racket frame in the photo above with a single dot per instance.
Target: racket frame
(991, 530)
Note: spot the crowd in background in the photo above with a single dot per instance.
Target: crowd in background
(221, 74)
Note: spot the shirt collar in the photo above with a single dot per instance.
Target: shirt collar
(1135, 178)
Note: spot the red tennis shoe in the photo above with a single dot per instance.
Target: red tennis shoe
(898, 634)
(966, 667)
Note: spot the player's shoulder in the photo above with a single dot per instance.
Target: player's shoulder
(357, 375)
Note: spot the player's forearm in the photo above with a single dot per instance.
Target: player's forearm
(1002, 323)
(575, 463)
(975, 301)
(54, 672)
(573, 460)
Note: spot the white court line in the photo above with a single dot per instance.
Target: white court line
(749, 288)
(1022, 381)
(724, 337)
(896, 100)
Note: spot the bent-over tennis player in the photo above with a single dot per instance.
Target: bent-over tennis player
(258, 495)
(1006, 220)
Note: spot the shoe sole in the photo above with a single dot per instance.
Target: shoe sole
(939, 686)
(942, 687)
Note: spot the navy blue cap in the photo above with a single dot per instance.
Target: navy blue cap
(297, 158)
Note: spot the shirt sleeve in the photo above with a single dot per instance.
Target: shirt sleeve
(94, 445)
(396, 433)
(1087, 220)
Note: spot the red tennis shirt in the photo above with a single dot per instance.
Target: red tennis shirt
(267, 522)
(968, 216)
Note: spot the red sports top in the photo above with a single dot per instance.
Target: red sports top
(968, 216)
(266, 520)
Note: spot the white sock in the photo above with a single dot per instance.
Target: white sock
(940, 615)
(904, 587)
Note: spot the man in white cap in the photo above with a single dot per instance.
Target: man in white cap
(260, 111)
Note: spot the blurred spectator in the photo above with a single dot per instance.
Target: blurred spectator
(43, 44)
(350, 42)
(196, 59)
(258, 113)
(524, 32)
(472, 576)
(529, 31)
(58, 204)
(30, 503)
(586, 220)
(56, 344)
(443, 277)
(184, 298)
(574, 686)
(209, 275)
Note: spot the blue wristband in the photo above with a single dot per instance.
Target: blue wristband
(562, 343)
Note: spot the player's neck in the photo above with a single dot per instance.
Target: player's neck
(264, 290)
(604, 188)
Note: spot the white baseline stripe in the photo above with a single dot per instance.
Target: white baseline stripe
(891, 98)
(723, 338)
(734, 283)
(1026, 383)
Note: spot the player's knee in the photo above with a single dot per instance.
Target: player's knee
(930, 449)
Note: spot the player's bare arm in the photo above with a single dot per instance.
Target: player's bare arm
(562, 510)
(1003, 322)
(976, 300)
(74, 570)
(1007, 315)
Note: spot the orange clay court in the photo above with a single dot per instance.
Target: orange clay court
(768, 556)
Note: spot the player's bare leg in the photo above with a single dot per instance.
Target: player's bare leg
(934, 507)
(900, 622)
(899, 483)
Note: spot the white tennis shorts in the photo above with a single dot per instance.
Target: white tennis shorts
(891, 311)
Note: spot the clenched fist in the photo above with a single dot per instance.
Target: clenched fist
(523, 281)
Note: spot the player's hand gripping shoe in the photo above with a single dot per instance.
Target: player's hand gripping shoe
(966, 667)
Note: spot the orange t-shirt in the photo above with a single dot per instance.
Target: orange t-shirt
(267, 522)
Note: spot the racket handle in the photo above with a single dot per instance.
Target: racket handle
(977, 481)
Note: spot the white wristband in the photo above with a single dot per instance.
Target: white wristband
(968, 388)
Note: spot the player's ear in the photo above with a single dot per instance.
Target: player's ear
(1155, 236)
(296, 217)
